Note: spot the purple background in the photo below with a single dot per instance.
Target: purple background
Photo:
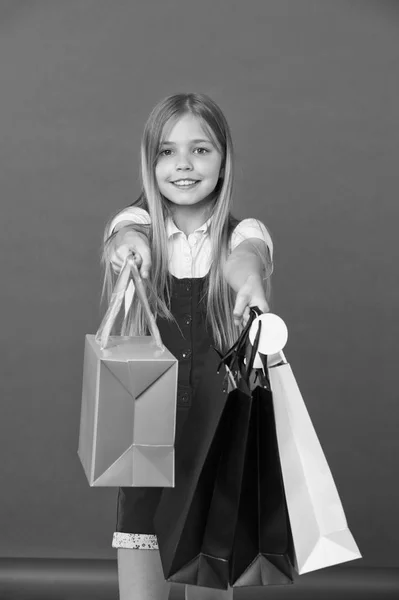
(310, 90)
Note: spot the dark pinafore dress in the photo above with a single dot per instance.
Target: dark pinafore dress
(136, 506)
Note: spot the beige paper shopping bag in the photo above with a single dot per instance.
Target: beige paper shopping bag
(128, 414)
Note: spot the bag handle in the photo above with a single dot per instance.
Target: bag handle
(129, 270)
(262, 373)
(234, 357)
(237, 350)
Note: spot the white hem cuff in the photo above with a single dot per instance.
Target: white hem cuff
(135, 541)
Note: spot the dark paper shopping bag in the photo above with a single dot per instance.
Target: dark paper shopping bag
(195, 522)
(263, 551)
(128, 414)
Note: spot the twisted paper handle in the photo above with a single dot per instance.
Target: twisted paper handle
(129, 269)
(243, 351)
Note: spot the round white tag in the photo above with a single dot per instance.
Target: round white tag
(273, 335)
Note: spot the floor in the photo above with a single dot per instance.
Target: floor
(58, 579)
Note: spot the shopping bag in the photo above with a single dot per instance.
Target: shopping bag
(128, 413)
(263, 552)
(320, 531)
(195, 521)
(207, 527)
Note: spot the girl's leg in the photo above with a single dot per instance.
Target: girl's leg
(140, 575)
(195, 592)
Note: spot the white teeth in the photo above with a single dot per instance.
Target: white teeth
(184, 182)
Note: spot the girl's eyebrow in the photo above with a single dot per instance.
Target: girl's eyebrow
(199, 141)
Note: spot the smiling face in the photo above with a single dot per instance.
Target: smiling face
(188, 166)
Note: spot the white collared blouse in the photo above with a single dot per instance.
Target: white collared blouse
(190, 256)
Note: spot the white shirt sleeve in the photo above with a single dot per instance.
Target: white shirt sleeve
(131, 213)
(251, 228)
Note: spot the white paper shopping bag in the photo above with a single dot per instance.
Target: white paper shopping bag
(319, 528)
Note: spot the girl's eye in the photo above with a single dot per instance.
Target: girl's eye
(204, 151)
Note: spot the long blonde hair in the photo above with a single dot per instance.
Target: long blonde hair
(220, 296)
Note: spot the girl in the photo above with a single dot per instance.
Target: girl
(203, 270)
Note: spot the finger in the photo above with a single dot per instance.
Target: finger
(134, 260)
(240, 304)
(123, 252)
(116, 262)
(116, 267)
(145, 255)
(246, 316)
(262, 304)
(130, 253)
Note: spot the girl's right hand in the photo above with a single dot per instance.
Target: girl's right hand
(128, 242)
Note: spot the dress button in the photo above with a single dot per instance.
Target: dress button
(187, 319)
(188, 286)
(186, 353)
(183, 398)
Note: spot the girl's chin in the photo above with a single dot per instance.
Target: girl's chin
(180, 200)
(187, 203)
(188, 199)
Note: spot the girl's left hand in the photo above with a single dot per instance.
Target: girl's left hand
(251, 293)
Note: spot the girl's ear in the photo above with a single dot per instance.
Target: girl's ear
(221, 173)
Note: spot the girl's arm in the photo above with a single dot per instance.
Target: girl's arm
(244, 272)
(129, 216)
(130, 229)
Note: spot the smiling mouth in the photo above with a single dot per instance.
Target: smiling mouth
(187, 185)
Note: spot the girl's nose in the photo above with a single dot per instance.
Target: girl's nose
(183, 162)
